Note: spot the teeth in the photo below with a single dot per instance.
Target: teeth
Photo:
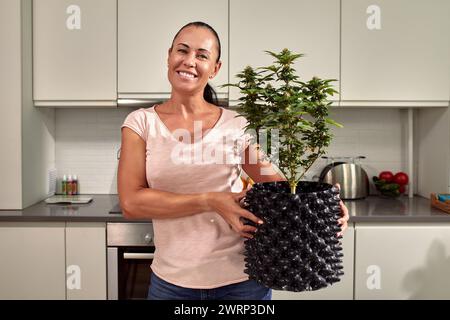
(185, 74)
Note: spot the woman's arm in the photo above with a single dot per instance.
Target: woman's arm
(259, 170)
(138, 201)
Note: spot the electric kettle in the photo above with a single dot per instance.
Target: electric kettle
(352, 178)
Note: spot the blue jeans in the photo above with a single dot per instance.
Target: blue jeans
(246, 290)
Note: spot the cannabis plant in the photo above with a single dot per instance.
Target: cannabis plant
(297, 248)
(276, 101)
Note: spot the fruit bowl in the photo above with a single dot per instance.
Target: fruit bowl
(388, 189)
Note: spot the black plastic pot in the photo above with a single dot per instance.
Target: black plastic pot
(297, 247)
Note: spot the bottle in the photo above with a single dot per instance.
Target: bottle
(64, 185)
(75, 184)
(69, 185)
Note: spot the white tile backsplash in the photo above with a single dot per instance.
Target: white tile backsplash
(87, 141)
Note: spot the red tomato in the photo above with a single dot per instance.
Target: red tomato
(386, 175)
(401, 178)
(401, 189)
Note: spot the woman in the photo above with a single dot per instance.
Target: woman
(177, 169)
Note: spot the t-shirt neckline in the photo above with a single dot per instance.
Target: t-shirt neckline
(216, 125)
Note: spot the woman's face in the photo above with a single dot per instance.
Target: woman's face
(192, 60)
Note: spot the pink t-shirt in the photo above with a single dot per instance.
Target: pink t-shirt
(201, 250)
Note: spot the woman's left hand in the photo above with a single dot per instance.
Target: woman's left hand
(343, 221)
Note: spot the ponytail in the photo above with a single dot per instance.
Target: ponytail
(209, 94)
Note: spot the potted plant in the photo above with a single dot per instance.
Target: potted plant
(297, 248)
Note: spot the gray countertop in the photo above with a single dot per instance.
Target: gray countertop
(95, 211)
(371, 209)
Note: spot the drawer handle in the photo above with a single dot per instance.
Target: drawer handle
(138, 256)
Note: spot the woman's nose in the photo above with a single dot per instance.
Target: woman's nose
(189, 60)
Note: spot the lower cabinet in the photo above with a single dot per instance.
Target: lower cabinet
(67, 260)
(342, 290)
(402, 261)
(86, 260)
(32, 260)
(52, 260)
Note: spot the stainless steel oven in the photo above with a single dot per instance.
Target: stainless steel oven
(130, 254)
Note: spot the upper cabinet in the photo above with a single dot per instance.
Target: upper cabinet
(310, 27)
(384, 53)
(395, 53)
(145, 33)
(75, 52)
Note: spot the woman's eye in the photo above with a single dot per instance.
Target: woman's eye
(182, 50)
(203, 56)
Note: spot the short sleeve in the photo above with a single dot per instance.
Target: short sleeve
(137, 121)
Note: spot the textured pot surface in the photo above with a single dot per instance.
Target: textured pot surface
(297, 247)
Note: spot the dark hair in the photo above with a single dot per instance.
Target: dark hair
(209, 94)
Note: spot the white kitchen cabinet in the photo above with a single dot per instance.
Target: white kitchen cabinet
(75, 53)
(86, 260)
(395, 53)
(53, 260)
(145, 33)
(310, 27)
(32, 263)
(402, 261)
(342, 290)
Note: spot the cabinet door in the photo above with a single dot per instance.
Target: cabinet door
(310, 27)
(32, 263)
(402, 261)
(395, 53)
(342, 290)
(86, 260)
(146, 30)
(74, 52)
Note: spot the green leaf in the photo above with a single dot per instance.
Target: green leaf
(332, 122)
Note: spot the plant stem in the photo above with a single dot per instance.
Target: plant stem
(293, 185)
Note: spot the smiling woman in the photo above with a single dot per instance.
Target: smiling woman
(194, 58)
(195, 205)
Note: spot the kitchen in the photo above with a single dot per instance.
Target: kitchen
(76, 69)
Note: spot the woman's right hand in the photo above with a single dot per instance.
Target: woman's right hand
(227, 204)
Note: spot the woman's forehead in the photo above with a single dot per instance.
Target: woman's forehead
(197, 38)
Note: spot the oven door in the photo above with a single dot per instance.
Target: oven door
(129, 272)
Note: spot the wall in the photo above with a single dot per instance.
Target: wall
(26, 134)
(433, 138)
(38, 126)
(87, 141)
(378, 134)
(10, 104)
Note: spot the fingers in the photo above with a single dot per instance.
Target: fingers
(344, 226)
(343, 221)
(250, 216)
(248, 231)
(239, 196)
(248, 228)
(246, 235)
(344, 211)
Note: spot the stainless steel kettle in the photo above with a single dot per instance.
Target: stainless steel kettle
(352, 178)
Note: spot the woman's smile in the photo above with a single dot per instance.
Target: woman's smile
(187, 75)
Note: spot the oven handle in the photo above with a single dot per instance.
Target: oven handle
(138, 256)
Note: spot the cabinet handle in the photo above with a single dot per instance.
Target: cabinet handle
(137, 256)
